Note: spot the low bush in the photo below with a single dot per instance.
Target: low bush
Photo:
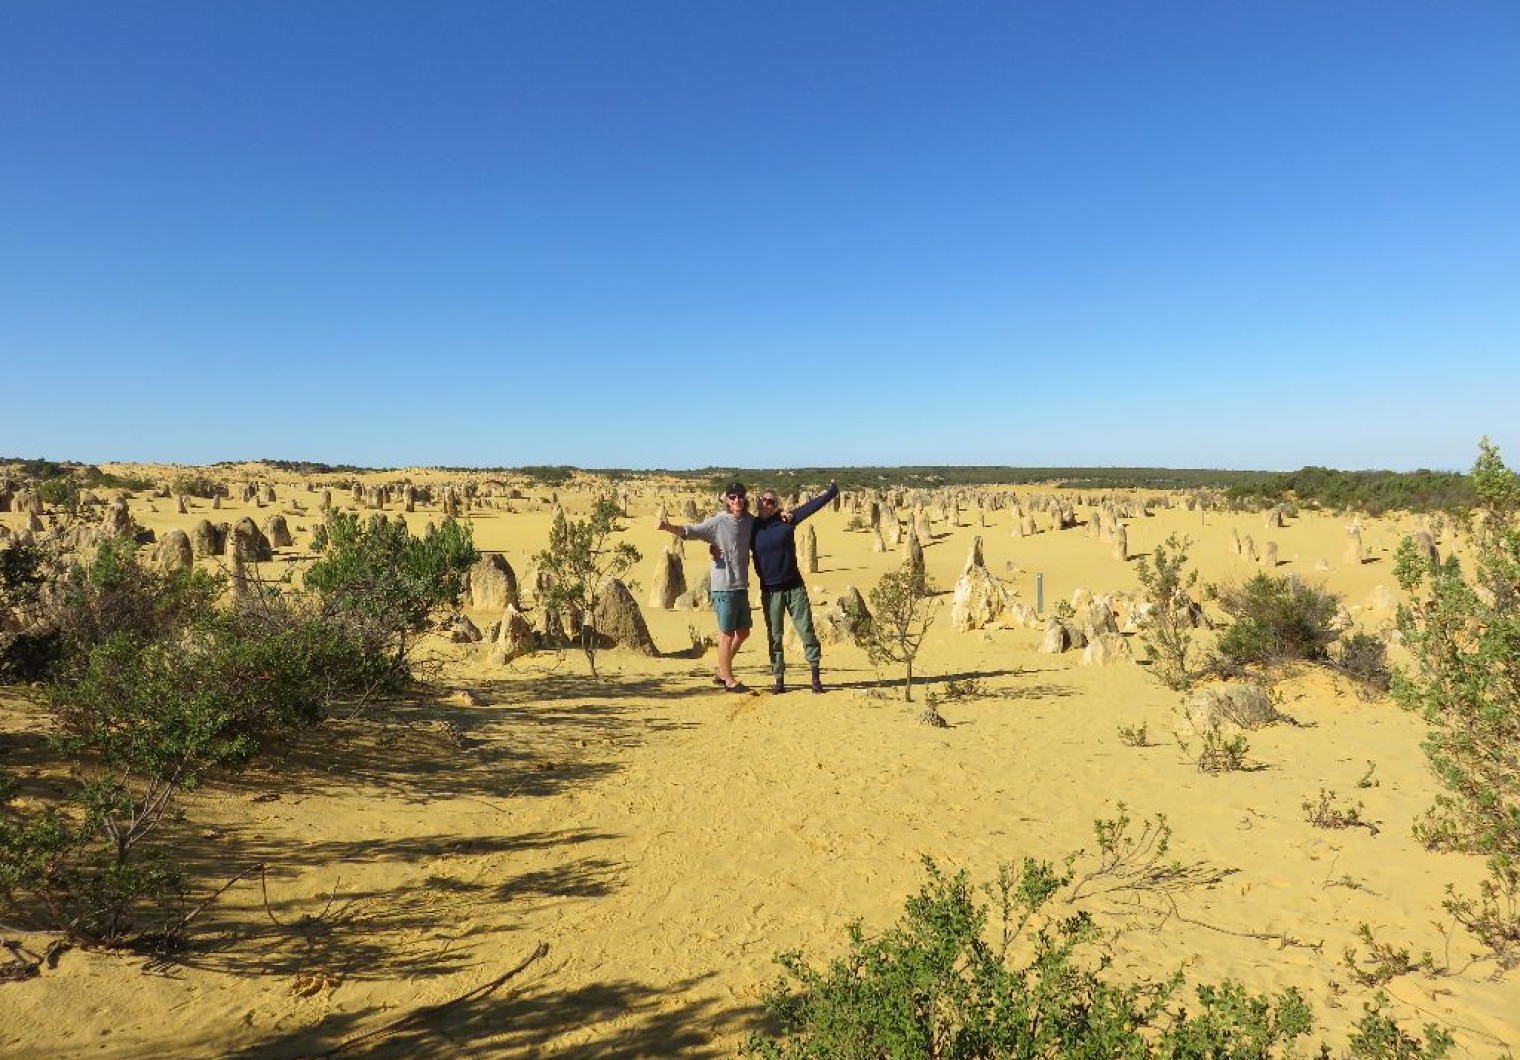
(61, 492)
(114, 593)
(145, 720)
(198, 486)
(27, 653)
(936, 985)
(156, 685)
(1221, 754)
(1364, 658)
(1384, 962)
(1325, 812)
(1276, 620)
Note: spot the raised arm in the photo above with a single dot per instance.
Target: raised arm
(802, 511)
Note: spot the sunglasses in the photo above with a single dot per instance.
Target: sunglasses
(735, 496)
(767, 500)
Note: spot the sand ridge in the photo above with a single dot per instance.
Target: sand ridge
(666, 840)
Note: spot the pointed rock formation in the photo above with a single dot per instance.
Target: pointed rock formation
(619, 621)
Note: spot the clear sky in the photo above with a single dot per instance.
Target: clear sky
(766, 233)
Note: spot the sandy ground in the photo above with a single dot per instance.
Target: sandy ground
(666, 840)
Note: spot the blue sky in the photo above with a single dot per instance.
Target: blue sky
(791, 232)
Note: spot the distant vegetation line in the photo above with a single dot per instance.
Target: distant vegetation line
(1373, 492)
(1370, 491)
(928, 476)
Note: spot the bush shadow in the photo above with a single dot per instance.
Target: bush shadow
(269, 925)
(510, 739)
(622, 1019)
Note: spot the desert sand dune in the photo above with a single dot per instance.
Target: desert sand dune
(665, 840)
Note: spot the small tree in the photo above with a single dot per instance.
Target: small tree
(578, 563)
(1463, 632)
(378, 573)
(903, 608)
(1165, 637)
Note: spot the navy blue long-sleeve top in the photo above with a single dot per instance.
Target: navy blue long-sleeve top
(774, 547)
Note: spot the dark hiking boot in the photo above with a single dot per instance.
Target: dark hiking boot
(779, 687)
(817, 681)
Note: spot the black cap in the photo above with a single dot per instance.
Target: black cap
(736, 488)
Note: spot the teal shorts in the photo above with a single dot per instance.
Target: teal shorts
(732, 606)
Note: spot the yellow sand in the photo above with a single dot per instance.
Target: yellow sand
(665, 840)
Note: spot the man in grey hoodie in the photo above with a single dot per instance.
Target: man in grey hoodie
(728, 533)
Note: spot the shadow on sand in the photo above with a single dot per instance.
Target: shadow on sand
(525, 1017)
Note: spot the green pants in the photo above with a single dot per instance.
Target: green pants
(777, 603)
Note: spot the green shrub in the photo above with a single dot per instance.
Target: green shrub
(1277, 619)
(1325, 812)
(114, 593)
(334, 657)
(1463, 633)
(1165, 638)
(29, 653)
(61, 492)
(59, 870)
(1220, 754)
(22, 574)
(1378, 1037)
(161, 687)
(1384, 961)
(144, 720)
(198, 486)
(1373, 492)
(936, 985)
(376, 574)
(1364, 658)
(89, 601)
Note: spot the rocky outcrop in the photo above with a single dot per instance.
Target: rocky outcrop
(669, 580)
(841, 620)
(807, 549)
(1354, 552)
(117, 520)
(979, 600)
(1057, 637)
(492, 583)
(248, 543)
(463, 631)
(698, 597)
(174, 551)
(1245, 706)
(208, 539)
(1106, 649)
(619, 622)
(514, 636)
(278, 532)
